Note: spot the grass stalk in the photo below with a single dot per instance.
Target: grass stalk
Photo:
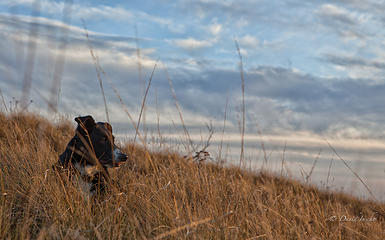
(158, 121)
(329, 170)
(3, 100)
(139, 64)
(283, 158)
(142, 109)
(223, 131)
(97, 69)
(354, 173)
(241, 159)
(60, 58)
(308, 176)
(29, 63)
(190, 142)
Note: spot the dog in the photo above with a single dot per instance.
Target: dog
(89, 153)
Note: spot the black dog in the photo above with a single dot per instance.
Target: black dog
(90, 152)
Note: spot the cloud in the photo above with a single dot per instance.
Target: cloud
(172, 25)
(337, 14)
(17, 29)
(280, 99)
(215, 29)
(369, 6)
(95, 12)
(351, 61)
(115, 54)
(346, 23)
(78, 11)
(358, 67)
(228, 8)
(101, 12)
(249, 41)
(250, 13)
(192, 44)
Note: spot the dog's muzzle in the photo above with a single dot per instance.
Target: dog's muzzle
(119, 157)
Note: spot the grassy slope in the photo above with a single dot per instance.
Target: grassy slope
(161, 195)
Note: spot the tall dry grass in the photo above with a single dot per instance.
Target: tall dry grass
(160, 195)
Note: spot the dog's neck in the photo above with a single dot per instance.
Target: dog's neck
(74, 153)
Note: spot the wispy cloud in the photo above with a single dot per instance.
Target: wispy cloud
(346, 23)
(352, 61)
(249, 41)
(78, 11)
(215, 29)
(191, 43)
(90, 12)
(337, 14)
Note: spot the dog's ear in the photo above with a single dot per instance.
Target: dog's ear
(108, 126)
(85, 123)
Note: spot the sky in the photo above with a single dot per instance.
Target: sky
(313, 70)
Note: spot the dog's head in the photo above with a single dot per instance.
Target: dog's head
(99, 141)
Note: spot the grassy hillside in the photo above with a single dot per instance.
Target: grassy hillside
(161, 195)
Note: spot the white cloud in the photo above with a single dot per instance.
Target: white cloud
(173, 26)
(78, 11)
(192, 43)
(83, 11)
(347, 23)
(17, 2)
(333, 10)
(249, 41)
(241, 23)
(215, 29)
(103, 12)
(347, 13)
(243, 51)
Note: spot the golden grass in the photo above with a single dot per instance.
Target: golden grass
(160, 195)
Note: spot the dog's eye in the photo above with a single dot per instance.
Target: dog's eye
(105, 139)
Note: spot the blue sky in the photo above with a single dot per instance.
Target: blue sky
(313, 69)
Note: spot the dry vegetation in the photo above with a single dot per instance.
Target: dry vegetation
(162, 195)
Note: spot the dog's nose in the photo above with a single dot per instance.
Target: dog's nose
(119, 156)
(123, 157)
